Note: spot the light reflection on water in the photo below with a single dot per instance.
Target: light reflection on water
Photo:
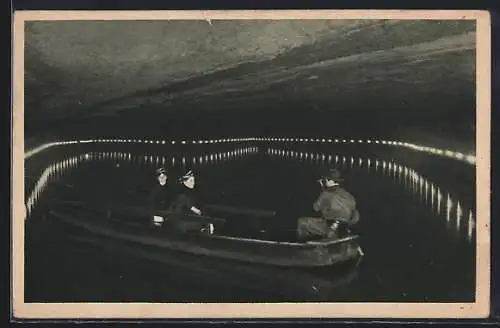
(379, 272)
(51, 172)
(427, 192)
(55, 171)
(440, 202)
(468, 158)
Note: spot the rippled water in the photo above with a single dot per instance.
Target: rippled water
(417, 228)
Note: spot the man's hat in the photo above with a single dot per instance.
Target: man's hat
(333, 174)
(161, 170)
(186, 176)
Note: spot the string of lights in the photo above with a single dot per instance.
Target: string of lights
(468, 158)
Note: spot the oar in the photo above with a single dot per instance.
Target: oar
(143, 211)
(179, 216)
(241, 211)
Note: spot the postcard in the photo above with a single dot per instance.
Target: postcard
(251, 164)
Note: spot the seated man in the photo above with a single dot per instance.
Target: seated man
(337, 207)
(158, 197)
(186, 202)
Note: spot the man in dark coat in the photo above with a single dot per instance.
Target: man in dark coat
(159, 196)
(337, 207)
(186, 202)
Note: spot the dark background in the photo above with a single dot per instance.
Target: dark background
(51, 124)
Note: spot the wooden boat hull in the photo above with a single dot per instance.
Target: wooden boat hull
(318, 253)
(280, 283)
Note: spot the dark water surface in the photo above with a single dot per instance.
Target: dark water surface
(417, 229)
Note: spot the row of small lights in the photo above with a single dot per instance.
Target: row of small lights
(471, 159)
(391, 166)
(416, 178)
(43, 147)
(306, 155)
(418, 182)
(157, 159)
(59, 167)
(46, 175)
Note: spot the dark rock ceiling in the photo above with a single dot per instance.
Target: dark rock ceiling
(126, 71)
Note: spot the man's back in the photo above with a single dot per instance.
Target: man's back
(336, 203)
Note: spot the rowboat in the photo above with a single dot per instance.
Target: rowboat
(132, 225)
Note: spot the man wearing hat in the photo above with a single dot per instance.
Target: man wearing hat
(185, 202)
(159, 196)
(337, 207)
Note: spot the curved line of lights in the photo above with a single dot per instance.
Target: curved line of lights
(440, 201)
(415, 182)
(468, 158)
(59, 168)
(54, 169)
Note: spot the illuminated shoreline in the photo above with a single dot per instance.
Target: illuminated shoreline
(467, 158)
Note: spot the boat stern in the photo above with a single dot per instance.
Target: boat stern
(331, 251)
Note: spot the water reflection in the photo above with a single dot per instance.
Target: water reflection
(173, 160)
(55, 170)
(440, 202)
(456, 155)
(52, 172)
